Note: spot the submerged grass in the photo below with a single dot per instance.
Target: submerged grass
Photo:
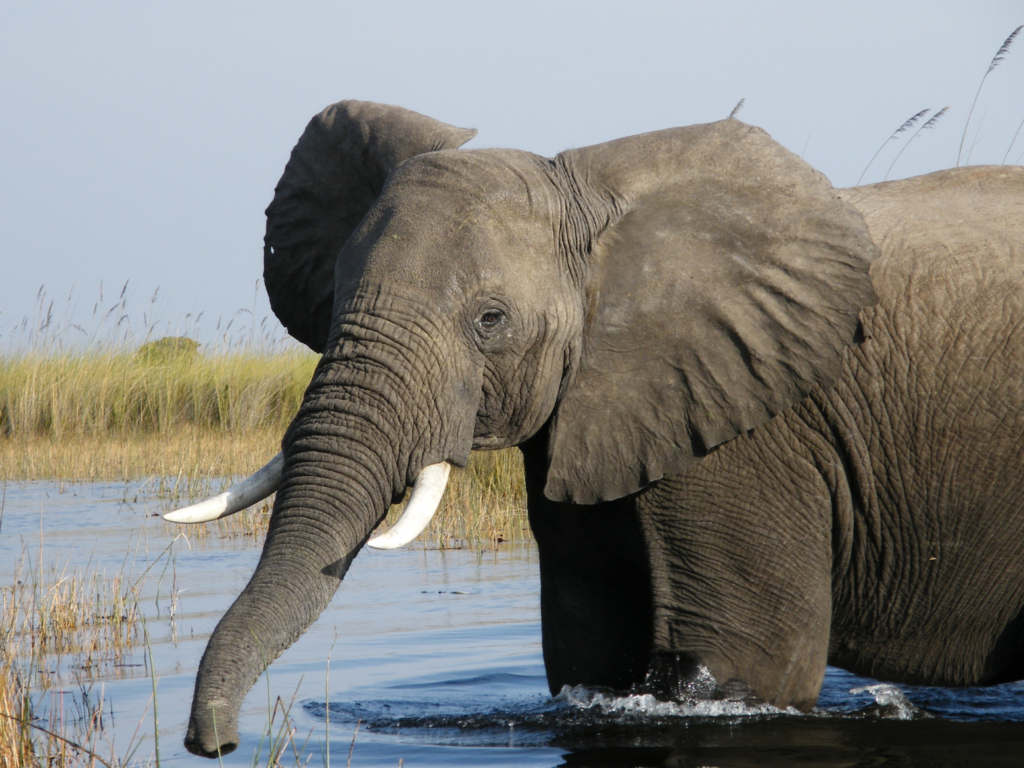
(59, 627)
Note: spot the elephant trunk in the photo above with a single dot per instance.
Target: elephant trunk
(351, 451)
(325, 510)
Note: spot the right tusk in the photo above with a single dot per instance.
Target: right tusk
(256, 487)
(427, 490)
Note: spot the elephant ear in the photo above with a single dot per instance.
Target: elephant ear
(724, 284)
(333, 177)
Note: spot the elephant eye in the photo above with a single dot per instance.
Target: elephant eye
(490, 319)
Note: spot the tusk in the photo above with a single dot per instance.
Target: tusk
(427, 490)
(256, 487)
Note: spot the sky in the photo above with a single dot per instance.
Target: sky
(141, 142)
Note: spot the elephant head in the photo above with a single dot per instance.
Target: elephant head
(637, 303)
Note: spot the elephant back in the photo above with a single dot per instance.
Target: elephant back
(944, 232)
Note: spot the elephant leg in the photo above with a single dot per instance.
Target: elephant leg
(595, 597)
(596, 608)
(740, 555)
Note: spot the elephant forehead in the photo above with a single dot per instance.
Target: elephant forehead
(446, 230)
(505, 180)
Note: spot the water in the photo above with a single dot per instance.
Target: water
(436, 655)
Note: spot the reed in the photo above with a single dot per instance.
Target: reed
(1000, 56)
(113, 393)
(906, 126)
(62, 620)
(15, 707)
(58, 626)
(930, 124)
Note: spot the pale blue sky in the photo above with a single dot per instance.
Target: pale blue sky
(142, 141)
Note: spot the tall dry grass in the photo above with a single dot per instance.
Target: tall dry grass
(58, 627)
(114, 414)
(1000, 56)
(114, 393)
(188, 421)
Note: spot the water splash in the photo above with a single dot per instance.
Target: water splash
(891, 702)
(645, 705)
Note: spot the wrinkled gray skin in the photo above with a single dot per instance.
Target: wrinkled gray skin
(759, 433)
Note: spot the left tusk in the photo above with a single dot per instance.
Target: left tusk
(254, 488)
(427, 490)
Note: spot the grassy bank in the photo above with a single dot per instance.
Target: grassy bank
(176, 423)
(154, 391)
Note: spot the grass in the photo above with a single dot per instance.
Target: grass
(961, 157)
(187, 421)
(59, 627)
(15, 708)
(119, 394)
(906, 126)
(92, 620)
(1000, 56)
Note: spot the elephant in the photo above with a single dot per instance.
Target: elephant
(766, 425)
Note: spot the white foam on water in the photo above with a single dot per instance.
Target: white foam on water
(891, 697)
(696, 703)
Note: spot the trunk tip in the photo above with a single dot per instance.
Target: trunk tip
(202, 741)
(210, 751)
